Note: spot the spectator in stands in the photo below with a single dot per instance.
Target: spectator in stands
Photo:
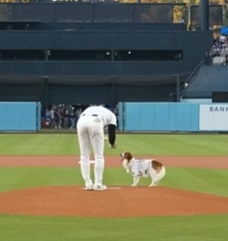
(52, 117)
(58, 119)
(72, 115)
(182, 20)
(222, 38)
(219, 50)
(226, 59)
(47, 118)
(65, 116)
(78, 113)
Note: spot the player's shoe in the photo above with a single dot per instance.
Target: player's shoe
(99, 187)
(89, 187)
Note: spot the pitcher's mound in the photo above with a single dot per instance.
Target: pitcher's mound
(115, 202)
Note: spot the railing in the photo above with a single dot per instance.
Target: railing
(176, 96)
(190, 77)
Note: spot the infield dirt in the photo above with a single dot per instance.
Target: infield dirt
(120, 202)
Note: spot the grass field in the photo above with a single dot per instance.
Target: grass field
(150, 144)
(194, 228)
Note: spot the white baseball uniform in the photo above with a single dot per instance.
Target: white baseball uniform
(140, 167)
(90, 129)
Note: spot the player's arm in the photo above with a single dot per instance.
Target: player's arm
(112, 130)
(112, 134)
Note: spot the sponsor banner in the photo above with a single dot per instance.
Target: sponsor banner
(213, 117)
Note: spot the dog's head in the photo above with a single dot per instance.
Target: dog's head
(126, 155)
(126, 158)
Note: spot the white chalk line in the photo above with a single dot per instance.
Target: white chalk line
(114, 188)
(91, 162)
(108, 188)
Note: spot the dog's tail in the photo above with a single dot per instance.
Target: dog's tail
(160, 175)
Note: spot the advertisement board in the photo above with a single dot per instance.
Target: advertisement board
(213, 117)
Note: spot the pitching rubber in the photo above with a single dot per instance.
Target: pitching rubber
(108, 188)
(91, 162)
(114, 188)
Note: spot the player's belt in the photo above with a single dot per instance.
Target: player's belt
(90, 115)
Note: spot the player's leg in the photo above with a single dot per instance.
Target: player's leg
(85, 148)
(97, 141)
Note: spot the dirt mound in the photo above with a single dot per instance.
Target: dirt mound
(119, 202)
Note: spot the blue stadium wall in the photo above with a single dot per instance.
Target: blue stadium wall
(20, 116)
(133, 117)
(173, 117)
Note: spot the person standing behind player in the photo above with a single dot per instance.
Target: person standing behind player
(90, 129)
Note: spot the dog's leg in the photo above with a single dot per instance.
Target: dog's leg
(158, 177)
(152, 175)
(155, 182)
(152, 184)
(135, 181)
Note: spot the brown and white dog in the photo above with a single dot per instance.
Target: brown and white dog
(143, 168)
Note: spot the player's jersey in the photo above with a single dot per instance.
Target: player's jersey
(139, 167)
(107, 116)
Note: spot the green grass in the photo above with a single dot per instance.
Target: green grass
(192, 228)
(201, 228)
(213, 181)
(142, 144)
(204, 180)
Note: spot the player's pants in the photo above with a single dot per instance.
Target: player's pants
(91, 136)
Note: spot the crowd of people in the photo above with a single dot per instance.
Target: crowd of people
(220, 50)
(63, 116)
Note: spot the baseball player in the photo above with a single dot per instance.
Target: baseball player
(90, 129)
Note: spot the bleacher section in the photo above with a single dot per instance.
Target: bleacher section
(207, 79)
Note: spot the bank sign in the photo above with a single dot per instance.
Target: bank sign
(213, 117)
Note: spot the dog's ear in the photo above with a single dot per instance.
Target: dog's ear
(128, 155)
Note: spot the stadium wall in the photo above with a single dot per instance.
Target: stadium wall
(101, 92)
(173, 117)
(20, 116)
(106, 40)
(133, 117)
